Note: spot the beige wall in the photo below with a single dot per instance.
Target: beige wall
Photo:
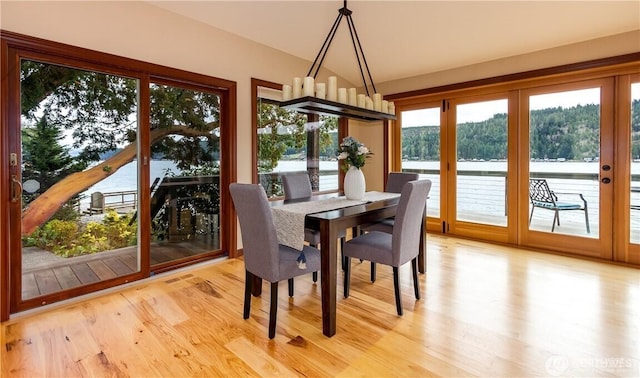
(619, 44)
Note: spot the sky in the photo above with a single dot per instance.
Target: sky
(481, 111)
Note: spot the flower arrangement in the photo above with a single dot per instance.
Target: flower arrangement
(353, 153)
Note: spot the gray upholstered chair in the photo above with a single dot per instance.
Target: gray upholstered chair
(263, 256)
(395, 183)
(298, 185)
(397, 248)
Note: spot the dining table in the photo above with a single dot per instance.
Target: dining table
(329, 223)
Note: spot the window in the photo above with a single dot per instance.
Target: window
(288, 141)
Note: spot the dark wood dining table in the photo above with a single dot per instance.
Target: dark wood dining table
(329, 223)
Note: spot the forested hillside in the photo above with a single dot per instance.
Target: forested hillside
(568, 133)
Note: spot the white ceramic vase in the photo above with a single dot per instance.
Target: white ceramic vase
(354, 184)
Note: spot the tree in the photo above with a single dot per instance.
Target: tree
(99, 111)
(280, 130)
(44, 159)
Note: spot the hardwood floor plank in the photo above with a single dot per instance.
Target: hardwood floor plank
(486, 310)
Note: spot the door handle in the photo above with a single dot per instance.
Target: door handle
(606, 180)
(16, 195)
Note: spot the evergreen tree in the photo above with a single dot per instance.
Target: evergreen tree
(45, 159)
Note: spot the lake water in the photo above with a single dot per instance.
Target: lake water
(490, 199)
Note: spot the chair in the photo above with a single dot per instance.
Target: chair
(395, 183)
(397, 248)
(263, 256)
(543, 197)
(298, 185)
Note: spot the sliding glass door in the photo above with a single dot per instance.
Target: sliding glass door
(111, 174)
(74, 173)
(184, 171)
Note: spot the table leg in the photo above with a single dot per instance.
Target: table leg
(328, 280)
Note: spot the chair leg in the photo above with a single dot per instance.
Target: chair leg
(586, 219)
(248, 280)
(290, 281)
(396, 286)
(273, 310)
(314, 274)
(531, 216)
(416, 286)
(347, 278)
(373, 272)
(555, 219)
(342, 258)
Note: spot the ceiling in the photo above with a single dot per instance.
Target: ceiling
(402, 39)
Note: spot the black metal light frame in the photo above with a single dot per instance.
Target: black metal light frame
(310, 104)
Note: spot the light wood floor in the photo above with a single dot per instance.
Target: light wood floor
(486, 311)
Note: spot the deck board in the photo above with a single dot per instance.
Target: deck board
(73, 272)
(66, 277)
(47, 282)
(84, 273)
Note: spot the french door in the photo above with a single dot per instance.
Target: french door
(462, 146)
(483, 151)
(566, 149)
(480, 169)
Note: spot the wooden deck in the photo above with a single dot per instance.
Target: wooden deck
(65, 273)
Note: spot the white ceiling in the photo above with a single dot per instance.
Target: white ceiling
(407, 38)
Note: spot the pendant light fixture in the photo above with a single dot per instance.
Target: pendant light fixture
(306, 97)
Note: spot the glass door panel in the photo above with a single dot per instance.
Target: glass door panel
(481, 162)
(76, 164)
(421, 150)
(569, 160)
(634, 214)
(184, 175)
(564, 143)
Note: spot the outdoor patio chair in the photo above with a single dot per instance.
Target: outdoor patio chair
(543, 197)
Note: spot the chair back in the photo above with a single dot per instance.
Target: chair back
(259, 238)
(396, 181)
(408, 221)
(296, 185)
(539, 192)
